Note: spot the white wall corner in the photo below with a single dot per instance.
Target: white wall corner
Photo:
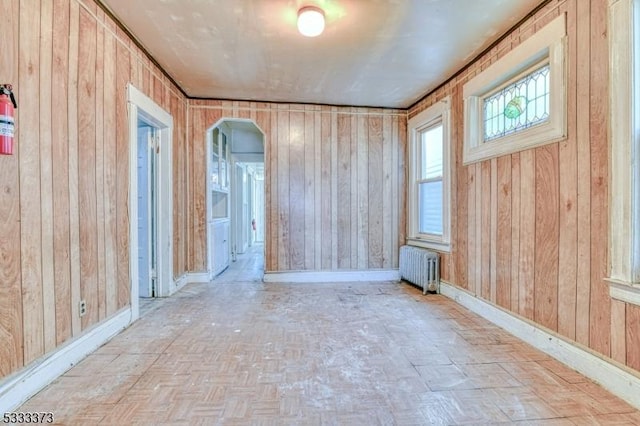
(616, 380)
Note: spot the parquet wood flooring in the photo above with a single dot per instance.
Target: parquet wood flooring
(237, 351)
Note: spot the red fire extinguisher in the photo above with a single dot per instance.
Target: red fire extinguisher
(7, 123)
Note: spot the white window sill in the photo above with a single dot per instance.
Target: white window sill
(428, 244)
(624, 291)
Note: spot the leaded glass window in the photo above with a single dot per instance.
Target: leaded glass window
(518, 106)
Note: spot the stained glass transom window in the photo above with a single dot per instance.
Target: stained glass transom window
(518, 106)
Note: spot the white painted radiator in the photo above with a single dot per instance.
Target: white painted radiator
(420, 267)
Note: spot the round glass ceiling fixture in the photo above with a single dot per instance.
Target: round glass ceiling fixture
(310, 21)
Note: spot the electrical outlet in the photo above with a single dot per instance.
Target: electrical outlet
(82, 307)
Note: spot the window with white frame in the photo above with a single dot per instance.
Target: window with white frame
(624, 110)
(519, 101)
(429, 174)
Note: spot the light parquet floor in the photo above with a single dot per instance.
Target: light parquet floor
(237, 351)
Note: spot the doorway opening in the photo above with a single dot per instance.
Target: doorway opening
(235, 193)
(150, 200)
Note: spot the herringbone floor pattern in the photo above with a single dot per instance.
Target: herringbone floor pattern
(237, 351)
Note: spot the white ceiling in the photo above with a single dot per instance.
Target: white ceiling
(386, 53)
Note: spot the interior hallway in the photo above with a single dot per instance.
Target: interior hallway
(238, 351)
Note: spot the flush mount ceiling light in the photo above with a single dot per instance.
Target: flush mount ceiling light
(310, 21)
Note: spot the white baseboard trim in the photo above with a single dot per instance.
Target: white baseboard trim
(197, 277)
(613, 378)
(18, 388)
(332, 276)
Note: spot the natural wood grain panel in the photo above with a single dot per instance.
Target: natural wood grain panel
(618, 331)
(472, 212)
(11, 326)
(344, 191)
(527, 234)
(110, 169)
(283, 189)
(375, 192)
(546, 236)
(362, 194)
(503, 233)
(633, 336)
(122, 175)
(87, 167)
(30, 213)
(326, 192)
(296, 195)
(485, 230)
(387, 203)
(600, 328)
(568, 219)
(46, 174)
(583, 292)
(515, 233)
(60, 175)
(100, 168)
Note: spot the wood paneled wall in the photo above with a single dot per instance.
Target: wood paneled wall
(335, 184)
(64, 230)
(530, 230)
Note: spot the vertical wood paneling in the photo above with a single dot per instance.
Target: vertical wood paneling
(60, 175)
(99, 169)
(527, 234)
(122, 174)
(86, 166)
(46, 175)
(64, 198)
(618, 331)
(397, 156)
(568, 219)
(471, 229)
(11, 325)
(273, 170)
(284, 248)
(296, 194)
(401, 186)
(344, 191)
(503, 232)
(485, 230)
(633, 336)
(110, 216)
(317, 187)
(515, 233)
(326, 200)
(546, 236)
(600, 322)
(551, 213)
(362, 193)
(309, 188)
(459, 232)
(583, 291)
(387, 204)
(30, 213)
(334, 186)
(354, 218)
(74, 214)
(374, 192)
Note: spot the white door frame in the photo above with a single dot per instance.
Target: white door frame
(141, 105)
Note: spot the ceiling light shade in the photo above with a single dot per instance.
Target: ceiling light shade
(310, 21)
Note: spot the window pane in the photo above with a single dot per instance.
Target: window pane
(430, 208)
(518, 106)
(431, 153)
